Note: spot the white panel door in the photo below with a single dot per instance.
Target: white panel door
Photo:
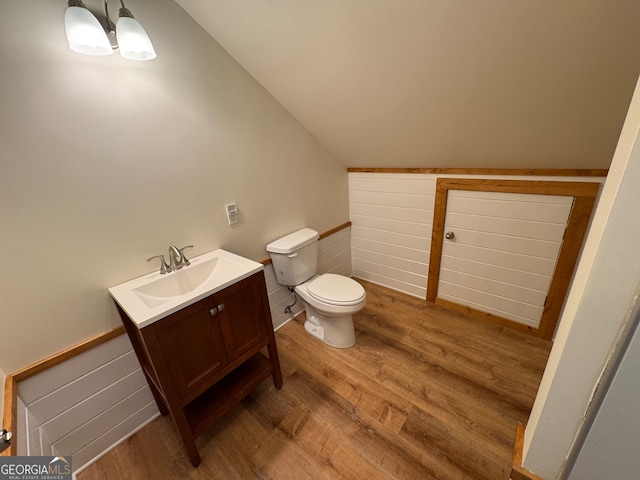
(502, 251)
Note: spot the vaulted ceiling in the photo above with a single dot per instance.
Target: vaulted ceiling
(442, 83)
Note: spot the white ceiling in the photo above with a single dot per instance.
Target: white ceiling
(442, 83)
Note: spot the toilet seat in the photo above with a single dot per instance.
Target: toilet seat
(336, 290)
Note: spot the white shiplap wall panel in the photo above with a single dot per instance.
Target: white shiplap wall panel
(113, 436)
(504, 243)
(500, 306)
(389, 199)
(388, 279)
(391, 238)
(95, 427)
(493, 287)
(512, 276)
(411, 283)
(524, 263)
(527, 198)
(506, 226)
(417, 229)
(85, 411)
(375, 247)
(57, 401)
(402, 264)
(36, 387)
(279, 298)
(490, 302)
(499, 206)
(413, 215)
(403, 183)
(71, 399)
(392, 217)
(408, 198)
(334, 253)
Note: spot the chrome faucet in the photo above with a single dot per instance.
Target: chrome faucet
(164, 268)
(177, 260)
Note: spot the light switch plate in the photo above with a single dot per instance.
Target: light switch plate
(232, 213)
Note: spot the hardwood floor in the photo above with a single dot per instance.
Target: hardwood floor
(425, 394)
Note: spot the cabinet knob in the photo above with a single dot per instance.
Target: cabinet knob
(221, 307)
(213, 311)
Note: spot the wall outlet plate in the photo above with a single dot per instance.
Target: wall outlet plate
(232, 213)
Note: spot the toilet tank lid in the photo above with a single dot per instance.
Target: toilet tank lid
(293, 241)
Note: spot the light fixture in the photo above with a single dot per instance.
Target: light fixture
(87, 35)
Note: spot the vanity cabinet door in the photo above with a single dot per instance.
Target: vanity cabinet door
(242, 318)
(192, 345)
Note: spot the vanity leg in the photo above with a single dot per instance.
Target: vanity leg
(185, 434)
(275, 361)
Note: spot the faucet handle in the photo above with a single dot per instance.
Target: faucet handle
(185, 260)
(164, 268)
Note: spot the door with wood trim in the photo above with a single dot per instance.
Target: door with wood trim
(505, 250)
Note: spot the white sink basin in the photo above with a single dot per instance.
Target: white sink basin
(154, 296)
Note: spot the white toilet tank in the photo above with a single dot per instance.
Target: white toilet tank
(295, 257)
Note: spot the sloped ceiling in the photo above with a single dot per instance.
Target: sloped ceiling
(442, 83)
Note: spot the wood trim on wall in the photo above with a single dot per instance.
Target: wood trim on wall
(64, 355)
(584, 194)
(518, 472)
(10, 413)
(542, 172)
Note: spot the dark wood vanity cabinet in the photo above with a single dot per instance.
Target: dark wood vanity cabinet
(202, 360)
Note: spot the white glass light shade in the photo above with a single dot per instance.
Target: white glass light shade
(84, 32)
(133, 41)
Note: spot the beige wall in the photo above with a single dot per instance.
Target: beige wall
(105, 162)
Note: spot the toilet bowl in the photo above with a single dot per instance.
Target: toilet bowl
(330, 300)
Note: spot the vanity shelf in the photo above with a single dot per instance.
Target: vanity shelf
(205, 358)
(209, 407)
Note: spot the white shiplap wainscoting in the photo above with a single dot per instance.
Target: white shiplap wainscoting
(391, 222)
(85, 405)
(89, 403)
(334, 256)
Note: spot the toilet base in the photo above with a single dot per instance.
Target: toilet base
(336, 332)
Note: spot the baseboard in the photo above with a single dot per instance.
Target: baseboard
(518, 472)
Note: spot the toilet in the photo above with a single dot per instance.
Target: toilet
(330, 300)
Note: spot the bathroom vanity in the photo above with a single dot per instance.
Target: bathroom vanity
(203, 358)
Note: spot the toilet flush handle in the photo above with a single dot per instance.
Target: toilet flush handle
(292, 255)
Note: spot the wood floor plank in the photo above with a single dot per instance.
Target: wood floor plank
(338, 371)
(425, 393)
